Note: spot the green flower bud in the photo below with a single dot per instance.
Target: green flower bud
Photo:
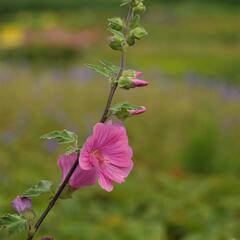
(131, 40)
(138, 33)
(125, 82)
(129, 73)
(135, 2)
(116, 43)
(116, 23)
(139, 9)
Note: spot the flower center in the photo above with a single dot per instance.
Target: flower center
(98, 155)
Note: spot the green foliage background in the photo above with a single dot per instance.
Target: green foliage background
(186, 146)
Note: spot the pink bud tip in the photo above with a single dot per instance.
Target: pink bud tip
(21, 204)
(137, 111)
(139, 83)
(47, 238)
(138, 74)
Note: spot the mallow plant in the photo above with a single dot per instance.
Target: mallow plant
(106, 157)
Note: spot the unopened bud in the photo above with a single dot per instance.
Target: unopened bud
(129, 82)
(138, 33)
(22, 204)
(139, 9)
(138, 74)
(132, 73)
(116, 43)
(137, 111)
(135, 2)
(131, 40)
(139, 83)
(116, 23)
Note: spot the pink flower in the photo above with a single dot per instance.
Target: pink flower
(137, 111)
(21, 204)
(138, 83)
(107, 152)
(80, 177)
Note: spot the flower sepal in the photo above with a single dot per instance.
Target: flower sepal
(67, 192)
(116, 43)
(116, 23)
(139, 9)
(138, 33)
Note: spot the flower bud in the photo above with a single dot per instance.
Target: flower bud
(130, 82)
(116, 23)
(125, 82)
(138, 33)
(137, 111)
(47, 238)
(116, 43)
(131, 40)
(138, 74)
(22, 204)
(139, 9)
(139, 83)
(135, 2)
(132, 73)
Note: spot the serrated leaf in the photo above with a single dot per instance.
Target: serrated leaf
(106, 69)
(71, 149)
(99, 69)
(61, 137)
(41, 187)
(114, 69)
(12, 222)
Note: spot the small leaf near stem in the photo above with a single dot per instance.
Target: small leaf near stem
(41, 187)
(13, 223)
(62, 137)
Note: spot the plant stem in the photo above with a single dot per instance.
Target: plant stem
(102, 120)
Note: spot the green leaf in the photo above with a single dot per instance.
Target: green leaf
(61, 137)
(99, 69)
(71, 149)
(12, 222)
(106, 69)
(41, 187)
(111, 67)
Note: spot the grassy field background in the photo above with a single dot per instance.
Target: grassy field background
(184, 185)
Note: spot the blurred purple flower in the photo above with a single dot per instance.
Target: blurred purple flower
(21, 204)
(50, 145)
(8, 137)
(80, 74)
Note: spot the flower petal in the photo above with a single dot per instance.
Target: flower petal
(105, 183)
(82, 178)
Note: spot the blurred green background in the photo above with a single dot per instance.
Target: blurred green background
(185, 184)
